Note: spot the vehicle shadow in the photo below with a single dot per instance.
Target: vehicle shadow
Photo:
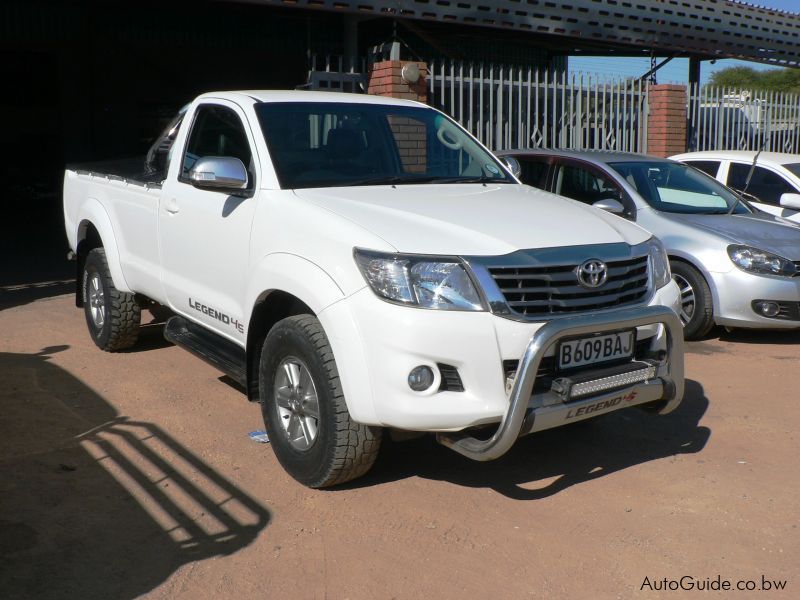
(761, 336)
(94, 505)
(560, 458)
(151, 337)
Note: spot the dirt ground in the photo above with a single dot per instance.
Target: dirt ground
(132, 474)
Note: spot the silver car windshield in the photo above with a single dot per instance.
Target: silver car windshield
(328, 144)
(678, 188)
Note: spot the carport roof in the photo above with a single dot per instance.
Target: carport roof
(706, 29)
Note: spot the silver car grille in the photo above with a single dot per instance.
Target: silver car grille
(535, 291)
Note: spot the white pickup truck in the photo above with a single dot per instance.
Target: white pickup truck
(360, 263)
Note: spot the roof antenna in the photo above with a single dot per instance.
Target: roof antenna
(755, 160)
(753, 166)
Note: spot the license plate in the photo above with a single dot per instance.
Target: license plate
(596, 349)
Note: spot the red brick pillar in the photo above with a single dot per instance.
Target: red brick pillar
(386, 79)
(666, 124)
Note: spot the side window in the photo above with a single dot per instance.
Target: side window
(709, 167)
(764, 184)
(583, 185)
(159, 155)
(217, 131)
(533, 172)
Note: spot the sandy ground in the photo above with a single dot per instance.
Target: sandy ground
(132, 474)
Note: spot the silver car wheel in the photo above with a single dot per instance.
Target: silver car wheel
(688, 301)
(298, 404)
(97, 301)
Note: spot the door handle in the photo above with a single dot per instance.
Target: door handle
(171, 206)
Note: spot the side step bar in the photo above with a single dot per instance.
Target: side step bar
(210, 347)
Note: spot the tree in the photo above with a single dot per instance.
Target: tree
(746, 78)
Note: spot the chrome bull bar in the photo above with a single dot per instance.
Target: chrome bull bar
(519, 418)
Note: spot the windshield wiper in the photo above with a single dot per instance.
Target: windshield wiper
(388, 180)
(471, 179)
(740, 200)
(734, 205)
(411, 179)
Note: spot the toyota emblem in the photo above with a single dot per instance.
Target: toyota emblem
(592, 274)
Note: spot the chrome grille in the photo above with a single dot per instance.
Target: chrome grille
(797, 266)
(535, 291)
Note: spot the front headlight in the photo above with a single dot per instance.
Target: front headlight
(761, 262)
(659, 262)
(422, 281)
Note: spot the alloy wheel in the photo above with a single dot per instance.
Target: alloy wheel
(298, 403)
(97, 301)
(688, 301)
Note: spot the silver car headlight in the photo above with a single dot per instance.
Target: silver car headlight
(659, 262)
(439, 283)
(761, 262)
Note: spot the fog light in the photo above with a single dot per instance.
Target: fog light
(768, 309)
(420, 378)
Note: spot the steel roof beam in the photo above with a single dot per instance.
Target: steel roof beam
(705, 28)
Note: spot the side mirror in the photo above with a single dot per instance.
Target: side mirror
(218, 173)
(513, 165)
(611, 205)
(790, 201)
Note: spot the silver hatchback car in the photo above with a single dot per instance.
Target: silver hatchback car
(735, 265)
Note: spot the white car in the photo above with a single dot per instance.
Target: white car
(358, 262)
(774, 186)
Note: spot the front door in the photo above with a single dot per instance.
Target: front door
(586, 183)
(766, 185)
(204, 234)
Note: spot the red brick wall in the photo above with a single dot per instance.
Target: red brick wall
(411, 138)
(666, 124)
(385, 79)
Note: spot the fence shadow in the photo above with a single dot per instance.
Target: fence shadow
(94, 505)
(549, 462)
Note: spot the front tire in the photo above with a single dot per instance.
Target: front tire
(304, 409)
(112, 316)
(697, 309)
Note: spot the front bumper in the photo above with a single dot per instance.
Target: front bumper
(736, 290)
(376, 344)
(527, 413)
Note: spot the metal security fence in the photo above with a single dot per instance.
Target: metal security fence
(519, 107)
(728, 119)
(329, 73)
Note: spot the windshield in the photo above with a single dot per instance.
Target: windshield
(678, 188)
(327, 144)
(794, 169)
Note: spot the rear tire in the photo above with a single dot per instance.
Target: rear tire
(305, 413)
(697, 309)
(112, 316)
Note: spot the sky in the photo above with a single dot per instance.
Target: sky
(678, 69)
